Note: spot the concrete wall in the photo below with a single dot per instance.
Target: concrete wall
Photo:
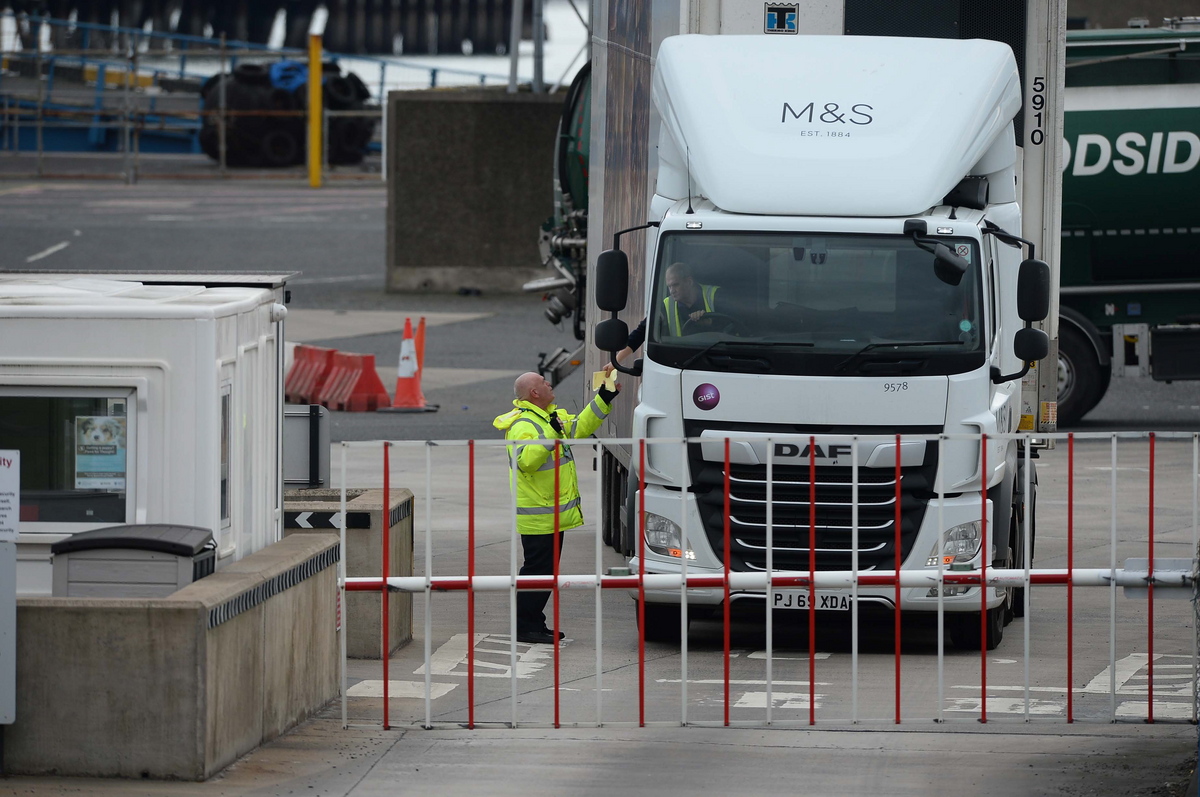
(177, 687)
(470, 182)
(364, 555)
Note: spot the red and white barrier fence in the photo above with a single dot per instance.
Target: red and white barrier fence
(1135, 574)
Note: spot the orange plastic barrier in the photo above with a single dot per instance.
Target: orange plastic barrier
(306, 377)
(353, 384)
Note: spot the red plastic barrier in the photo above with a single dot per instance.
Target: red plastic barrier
(353, 384)
(306, 377)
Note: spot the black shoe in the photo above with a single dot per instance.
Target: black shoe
(536, 637)
(561, 634)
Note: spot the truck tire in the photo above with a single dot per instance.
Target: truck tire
(1080, 381)
(662, 622)
(965, 632)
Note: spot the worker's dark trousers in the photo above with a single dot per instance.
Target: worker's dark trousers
(539, 561)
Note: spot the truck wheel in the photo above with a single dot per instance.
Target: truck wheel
(662, 622)
(965, 633)
(1080, 383)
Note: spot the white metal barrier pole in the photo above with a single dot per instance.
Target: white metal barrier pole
(1112, 592)
(598, 469)
(1028, 564)
(428, 583)
(770, 568)
(683, 601)
(854, 586)
(343, 627)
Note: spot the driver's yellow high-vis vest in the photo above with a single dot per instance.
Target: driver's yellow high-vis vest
(674, 322)
(534, 469)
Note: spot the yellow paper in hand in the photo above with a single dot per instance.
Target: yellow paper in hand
(609, 380)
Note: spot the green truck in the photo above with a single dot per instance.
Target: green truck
(1130, 260)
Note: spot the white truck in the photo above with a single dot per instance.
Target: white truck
(848, 211)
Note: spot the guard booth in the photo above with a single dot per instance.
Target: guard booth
(142, 398)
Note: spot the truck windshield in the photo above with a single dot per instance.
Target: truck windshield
(813, 304)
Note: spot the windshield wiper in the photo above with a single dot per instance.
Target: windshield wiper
(844, 364)
(739, 342)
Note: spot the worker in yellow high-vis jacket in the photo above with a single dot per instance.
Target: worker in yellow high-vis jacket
(536, 417)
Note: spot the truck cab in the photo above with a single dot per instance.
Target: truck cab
(831, 264)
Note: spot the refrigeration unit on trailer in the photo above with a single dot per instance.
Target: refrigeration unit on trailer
(145, 398)
(838, 256)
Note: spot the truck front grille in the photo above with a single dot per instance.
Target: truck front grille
(834, 512)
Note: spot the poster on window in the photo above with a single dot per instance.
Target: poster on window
(99, 452)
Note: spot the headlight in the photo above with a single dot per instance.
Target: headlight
(663, 537)
(961, 545)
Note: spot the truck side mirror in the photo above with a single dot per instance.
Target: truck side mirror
(612, 282)
(612, 335)
(1031, 344)
(1033, 290)
(948, 266)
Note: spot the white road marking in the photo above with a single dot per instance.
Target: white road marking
(1058, 690)
(47, 252)
(451, 657)
(1125, 671)
(762, 654)
(409, 690)
(738, 682)
(778, 700)
(1166, 711)
(1005, 705)
(349, 278)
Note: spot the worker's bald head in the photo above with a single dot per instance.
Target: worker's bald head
(534, 388)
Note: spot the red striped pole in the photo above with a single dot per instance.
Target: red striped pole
(471, 589)
(557, 527)
(812, 580)
(898, 520)
(728, 568)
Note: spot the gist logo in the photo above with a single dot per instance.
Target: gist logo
(706, 396)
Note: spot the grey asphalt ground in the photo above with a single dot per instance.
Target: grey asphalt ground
(334, 238)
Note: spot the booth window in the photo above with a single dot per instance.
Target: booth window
(74, 454)
(225, 499)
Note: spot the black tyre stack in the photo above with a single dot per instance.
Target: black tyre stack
(277, 140)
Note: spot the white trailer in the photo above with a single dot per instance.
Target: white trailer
(142, 398)
(868, 208)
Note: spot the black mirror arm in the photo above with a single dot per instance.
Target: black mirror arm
(999, 378)
(617, 235)
(634, 370)
(990, 228)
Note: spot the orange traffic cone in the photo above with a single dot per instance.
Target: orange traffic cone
(408, 396)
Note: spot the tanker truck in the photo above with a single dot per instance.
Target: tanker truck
(1130, 284)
